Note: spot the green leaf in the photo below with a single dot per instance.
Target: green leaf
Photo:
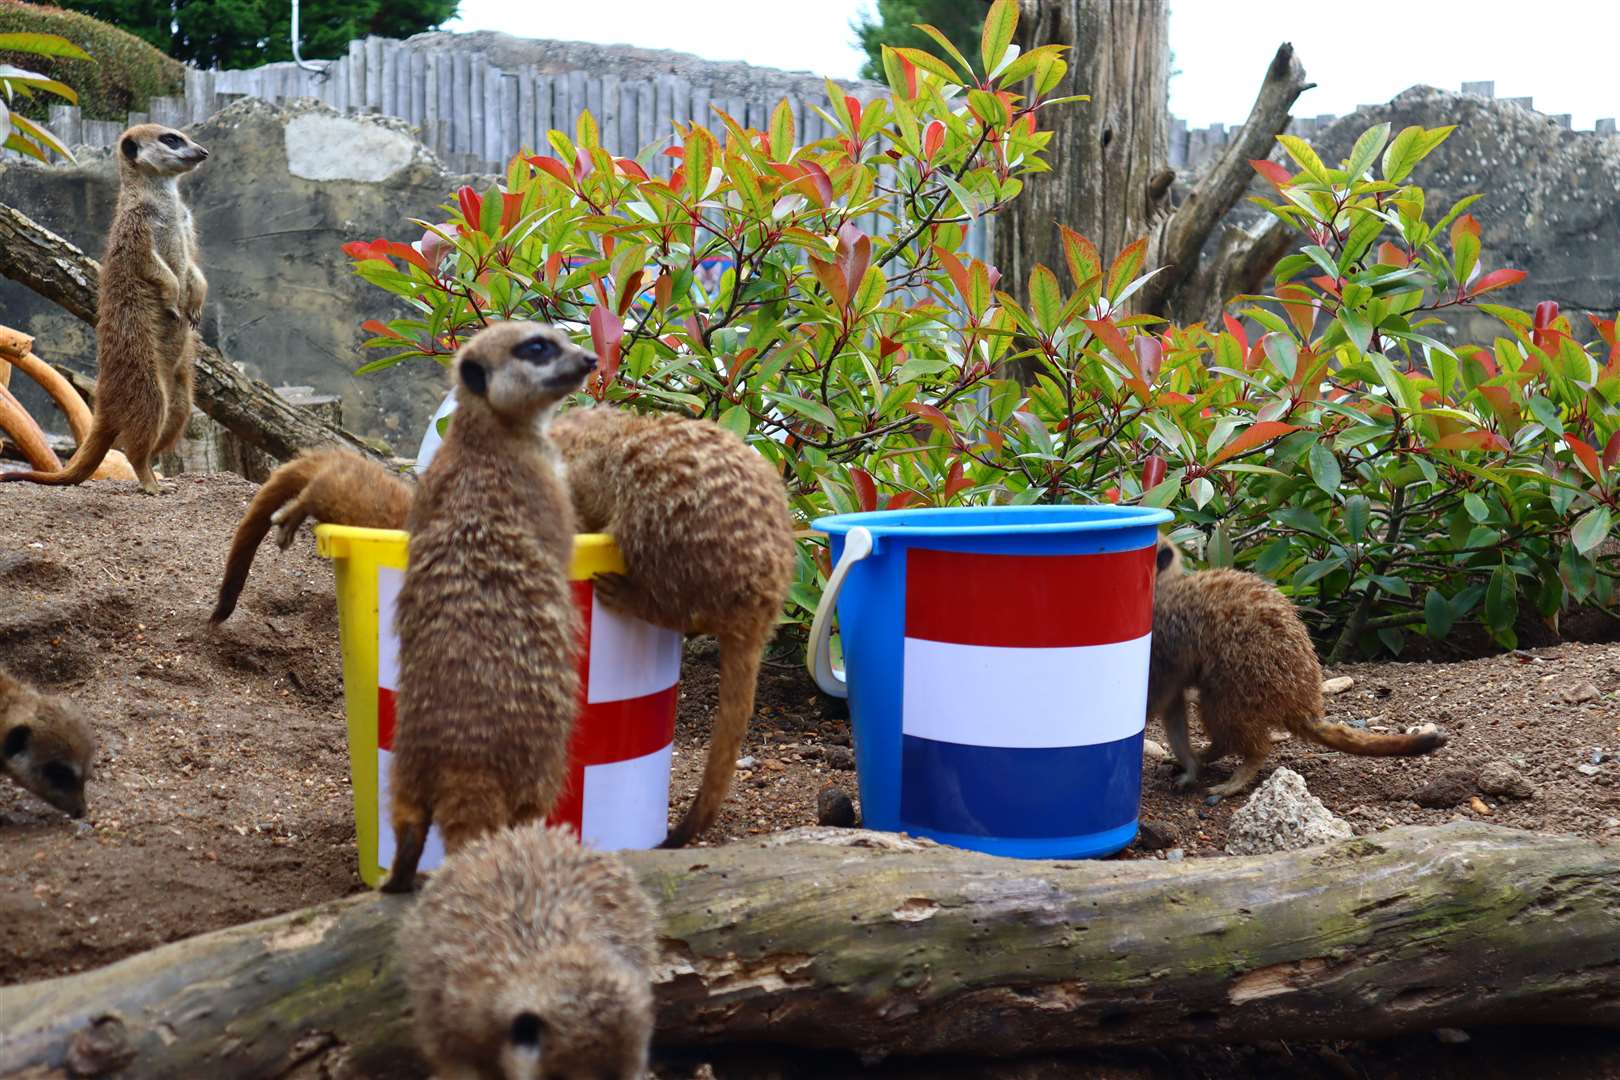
(1590, 529)
(1365, 152)
(1392, 639)
(1325, 469)
(1218, 552)
(1411, 146)
(1547, 413)
(1313, 572)
(782, 131)
(41, 45)
(1045, 298)
(949, 46)
(737, 421)
(1303, 520)
(1162, 493)
(1357, 328)
(1357, 515)
(1501, 601)
(1000, 24)
(1476, 508)
(1437, 614)
(1201, 491)
(1305, 157)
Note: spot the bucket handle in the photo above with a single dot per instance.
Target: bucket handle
(818, 657)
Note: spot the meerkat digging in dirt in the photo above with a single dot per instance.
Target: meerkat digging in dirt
(151, 302)
(45, 745)
(488, 633)
(1238, 642)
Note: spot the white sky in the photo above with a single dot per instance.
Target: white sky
(1563, 53)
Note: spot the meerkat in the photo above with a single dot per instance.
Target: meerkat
(152, 294)
(702, 522)
(337, 487)
(1237, 641)
(45, 745)
(528, 955)
(489, 635)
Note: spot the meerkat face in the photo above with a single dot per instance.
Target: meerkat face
(590, 1019)
(521, 369)
(156, 150)
(49, 753)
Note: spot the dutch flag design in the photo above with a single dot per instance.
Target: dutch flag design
(618, 787)
(1023, 693)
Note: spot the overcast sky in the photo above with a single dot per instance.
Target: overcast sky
(1563, 53)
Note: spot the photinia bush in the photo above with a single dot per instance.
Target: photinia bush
(1325, 435)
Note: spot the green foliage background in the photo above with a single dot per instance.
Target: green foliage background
(958, 20)
(122, 75)
(247, 33)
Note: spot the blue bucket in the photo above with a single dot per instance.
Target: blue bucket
(997, 664)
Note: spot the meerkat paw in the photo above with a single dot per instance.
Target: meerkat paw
(1233, 786)
(1184, 780)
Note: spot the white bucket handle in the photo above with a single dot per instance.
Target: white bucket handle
(818, 657)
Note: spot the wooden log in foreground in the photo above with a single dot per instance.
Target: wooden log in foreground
(32, 255)
(839, 939)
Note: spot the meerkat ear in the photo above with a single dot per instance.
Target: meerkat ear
(17, 740)
(474, 377)
(130, 147)
(1166, 555)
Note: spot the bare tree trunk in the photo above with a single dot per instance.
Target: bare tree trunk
(839, 939)
(57, 270)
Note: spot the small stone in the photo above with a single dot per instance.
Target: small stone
(1282, 815)
(1477, 805)
(1356, 722)
(745, 762)
(841, 758)
(1611, 823)
(1155, 835)
(1447, 788)
(834, 807)
(1152, 751)
(773, 765)
(1175, 855)
(1504, 781)
(1577, 693)
(1337, 685)
(1213, 800)
(1423, 729)
(1588, 770)
(1597, 756)
(1451, 1036)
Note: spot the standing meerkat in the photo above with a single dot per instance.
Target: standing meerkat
(530, 956)
(337, 487)
(702, 521)
(488, 633)
(45, 745)
(1239, 642)
(152, 295)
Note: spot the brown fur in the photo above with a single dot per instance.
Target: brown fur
(488, 633)
(45, 745)
(526, 933)
(152, 297)
(702, 522)
(1238, 642)
(336, 487)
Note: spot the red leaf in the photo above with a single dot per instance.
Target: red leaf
(1107, 333)
(933, 139)
(956, 480)
(1253, 436)
(472, 206)
(1152, 472)
(600, 289)
(1544, 337)
(1586, 456)
(853, 104)
(664, 290)
(823, 183)
(1326, 284)
(953, 267)
(865, 490)
(911, 77)
(1112, 494)
(554, 263)
(404, 251)
(901, 500)
(1273, 172)
(607, 331)
(1390, 255)
(1611, 452)
(381, 328)
(854, 255)
(1235, 328)
(831, 280)
(511, 209)
(1479, 439)
(1605, 329)
(1496, 279)
(1149, 354)
(630, 168)
(361, 251)
(554, 168)
(628, 290)
(930, 414)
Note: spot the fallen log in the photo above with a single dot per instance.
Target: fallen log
(840, 939)
(32, 255)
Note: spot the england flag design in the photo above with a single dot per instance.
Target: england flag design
(1023, 693)
(618, 786)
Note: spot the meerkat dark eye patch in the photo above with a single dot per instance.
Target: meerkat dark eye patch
(1165, 555)
(474, 377)
(59, 776)
(170, 139)
(535, 350)
(130, 148)
(526, 1028)
(17, 740)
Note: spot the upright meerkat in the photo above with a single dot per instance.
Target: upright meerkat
(337, 487)
(45, 745)
(1239, 642)
(528, 955)
(488, 633)
(702, 521)
(151, 302)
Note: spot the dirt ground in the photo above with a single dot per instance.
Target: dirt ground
(221, 791)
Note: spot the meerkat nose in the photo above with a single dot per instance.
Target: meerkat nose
(589, 361)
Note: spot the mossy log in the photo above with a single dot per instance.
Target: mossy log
(32, 255)
(839, 939)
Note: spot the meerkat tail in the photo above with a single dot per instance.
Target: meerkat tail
(85, 461)
(1366, 743)
(739, 676)
(283, 484)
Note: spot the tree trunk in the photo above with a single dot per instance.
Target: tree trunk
(838, 939)
(55, 269)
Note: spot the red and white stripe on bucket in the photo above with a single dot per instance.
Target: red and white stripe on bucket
(617, 794)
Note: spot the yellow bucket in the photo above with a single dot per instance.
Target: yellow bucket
(618, 788)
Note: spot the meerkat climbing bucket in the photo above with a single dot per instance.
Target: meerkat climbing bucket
(619, 762)
(996, 665)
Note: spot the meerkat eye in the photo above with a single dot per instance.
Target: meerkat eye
(170, 139)
(59, 776)
(535, 350)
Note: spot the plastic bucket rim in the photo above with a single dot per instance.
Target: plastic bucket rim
(897, 523)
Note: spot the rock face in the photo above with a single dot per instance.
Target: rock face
(281, 193)
(1282, 815)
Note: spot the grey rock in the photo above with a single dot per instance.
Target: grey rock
(1588, 770)
(1282, 815)
(1175, 854)
(841, 758)
(1337, 685)
(834, 807)
(1152, 751)
(1449, 787)
(745, 762)
(1578, 693)
(1503, 780)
